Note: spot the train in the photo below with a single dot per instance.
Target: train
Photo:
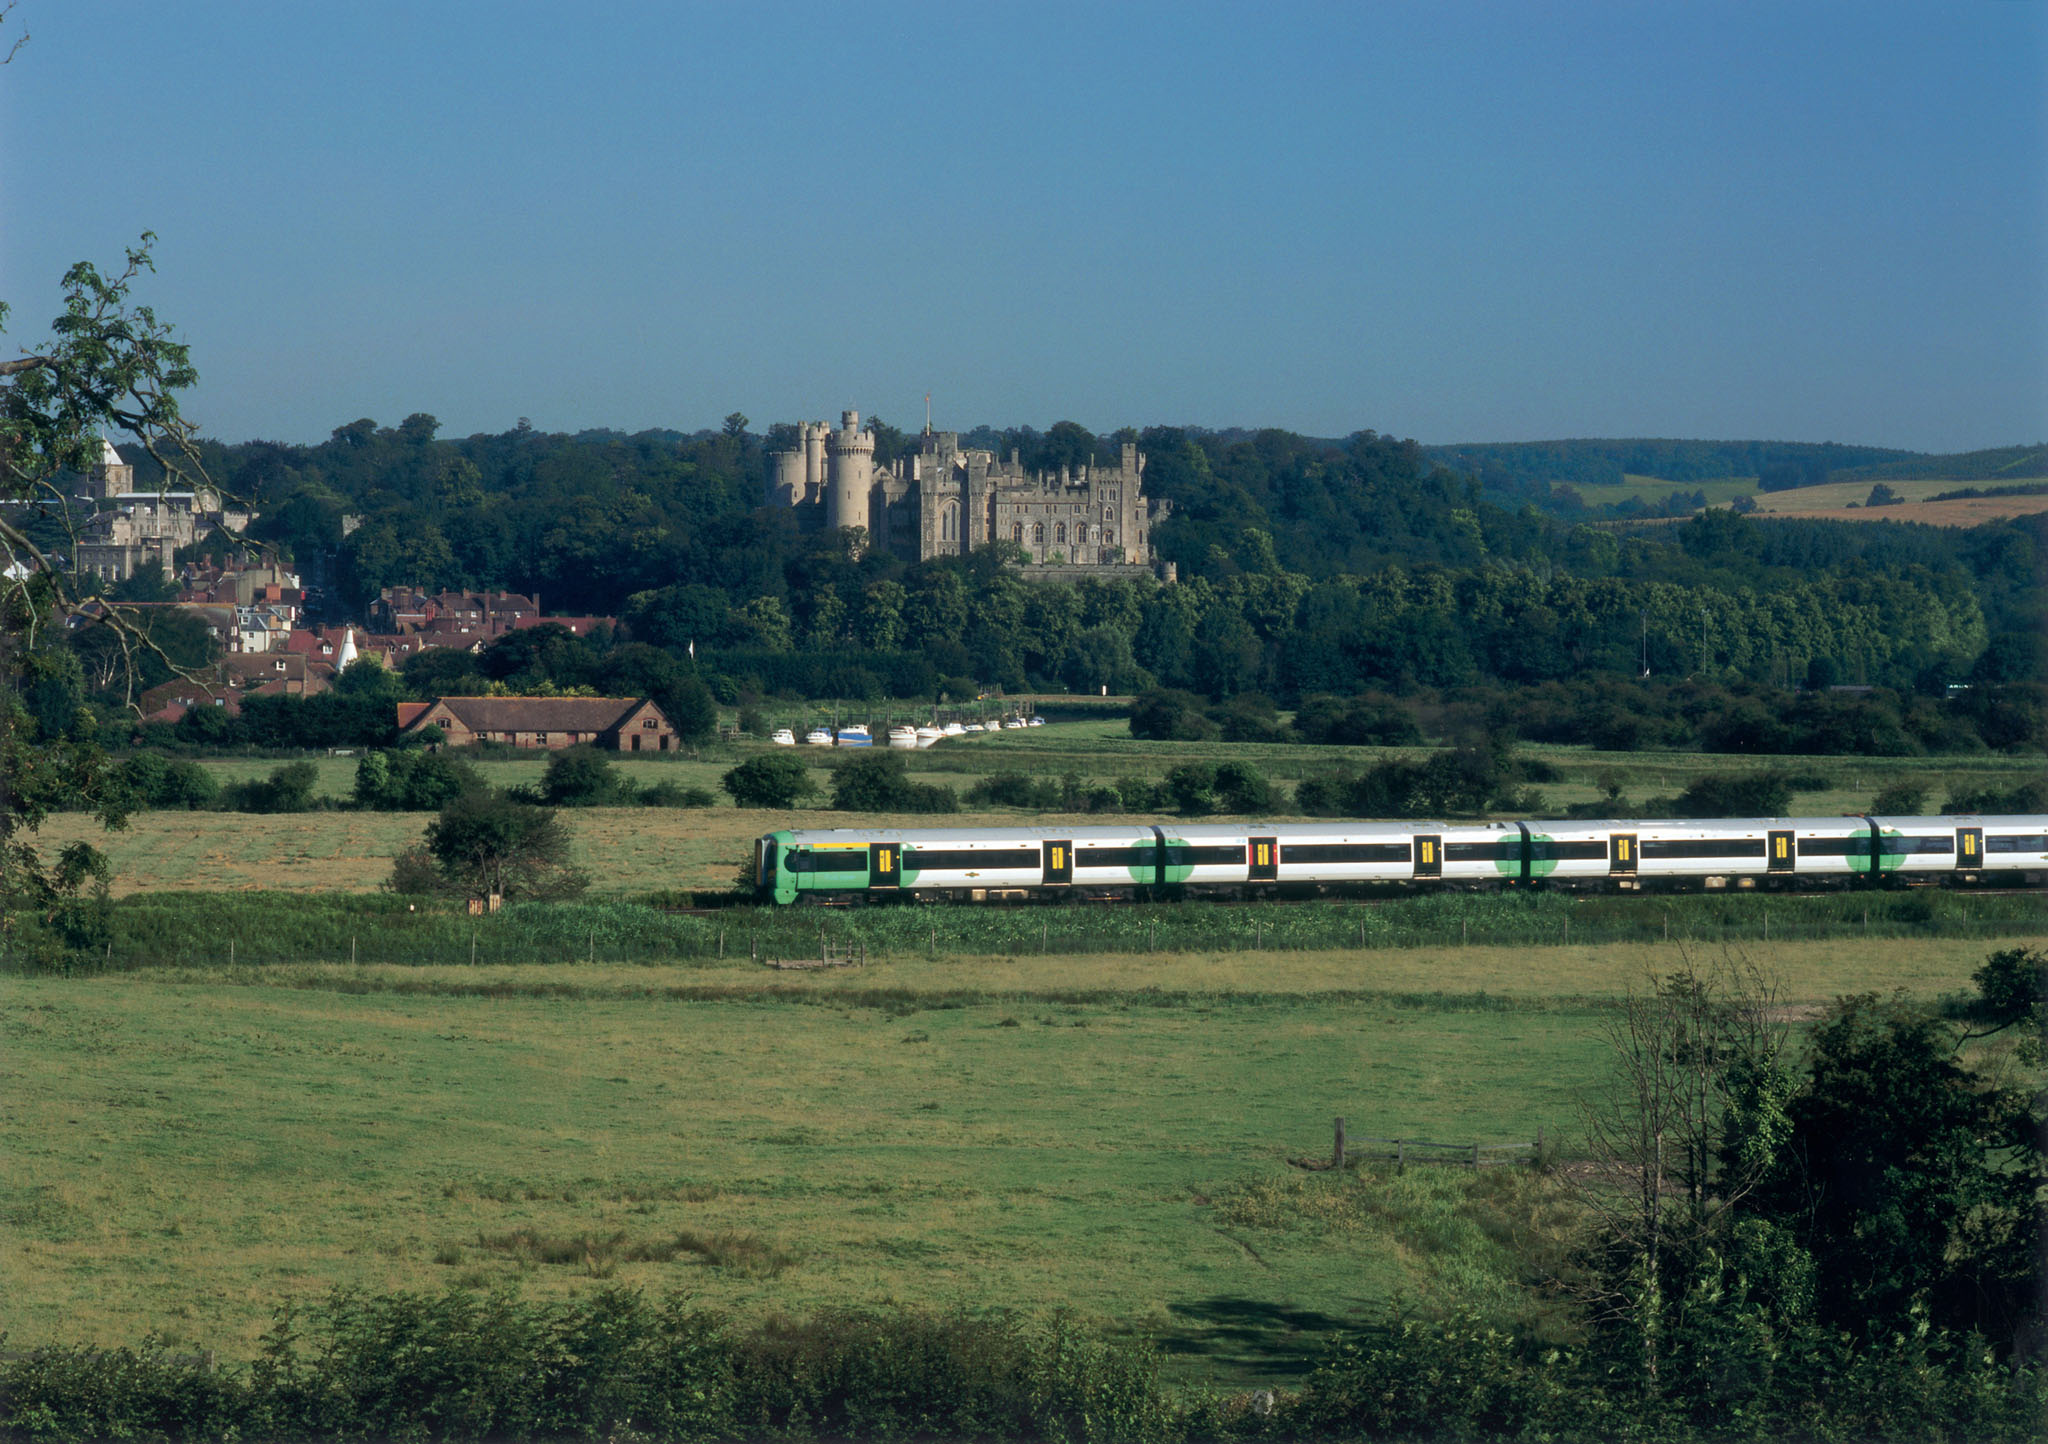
(1162, 860)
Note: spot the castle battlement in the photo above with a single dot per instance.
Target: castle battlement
(943, 500)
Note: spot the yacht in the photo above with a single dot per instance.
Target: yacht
(818, 737)
(1034, 721)
(903, 737)
(855, 735)
(1015, 724)
(954, 729)
(783, 737)
(926, 736)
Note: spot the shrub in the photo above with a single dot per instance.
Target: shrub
(880, 782)
(1014, 789)
(487, 844)
(774, 781)
(671, 794)
(288, 789)
(582, 778)
(1240, 788)
(2028, 796)
(1753, 794)
(413, 780)
(1170, 716)
(1900, 799)
(157, 782)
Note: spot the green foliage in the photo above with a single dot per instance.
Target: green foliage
(288, 789)
(413, 780)
(1170, 716)
(776, 780)
(1369, 720)
(880, 782)
(582, 777)
(1753, 794)
(457, 1366)
(2028, 796)
(1899, 799)
(483, 843)
(177, 785)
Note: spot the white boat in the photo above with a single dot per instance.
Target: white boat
(855, 735)
(1035, 721)
(904, 737)
(818, 737)
(976, 727)
(1015, 724)
(954, 729)
(783, 737)
(926, 736)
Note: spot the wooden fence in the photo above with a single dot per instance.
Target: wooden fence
(1346, 1150)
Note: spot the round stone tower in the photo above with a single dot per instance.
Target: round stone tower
(851, 453)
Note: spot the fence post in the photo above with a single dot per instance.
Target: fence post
(351, 949)
(231, 944)
(1337, 1149)
(1767, 924)
(1400, 1155)
(721, 942)
(472, 945)
(1475, 1158)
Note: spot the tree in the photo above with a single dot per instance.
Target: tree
(880, 782)
(581, 778)
(483, 843)
(736, 424)
(777, 780)
(109, 365)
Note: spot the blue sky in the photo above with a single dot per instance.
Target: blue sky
(1453, 222)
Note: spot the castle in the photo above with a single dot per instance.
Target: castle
(942, 501)
(143, 530)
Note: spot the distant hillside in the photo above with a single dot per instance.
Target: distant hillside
(1530, 468)
(2000, 463)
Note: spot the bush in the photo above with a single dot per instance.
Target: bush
(1007, 789)
(880, 782)
(1900, 799)
(288, 789)
(157, 782)
(413, 780)
(778, 780)
(1241, 789)
(483, 843)
(581, 777)
(2028, 796)
(1753, 794)
(671, 794)
(1170, 716)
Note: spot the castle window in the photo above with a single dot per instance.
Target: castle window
(1059, 534)
(1038, 534)
(1017, 533)
(1081, 534)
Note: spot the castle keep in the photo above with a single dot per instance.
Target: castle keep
(944, 501)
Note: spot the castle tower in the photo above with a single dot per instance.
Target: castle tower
(815, 433)
(850, 453)
(110, 476)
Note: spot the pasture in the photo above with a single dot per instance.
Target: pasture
(641, 850)
(188, 1148)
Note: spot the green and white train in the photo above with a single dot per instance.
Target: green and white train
(1252, 859)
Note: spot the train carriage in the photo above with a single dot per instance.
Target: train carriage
(1137, 859)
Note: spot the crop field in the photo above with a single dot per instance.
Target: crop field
(1652, 490)
(188, 1148)
(643, 850)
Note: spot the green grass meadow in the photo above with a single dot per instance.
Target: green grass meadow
(188, 1148)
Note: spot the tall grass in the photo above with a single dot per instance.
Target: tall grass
(210, 929)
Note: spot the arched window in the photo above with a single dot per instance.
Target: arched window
(1017, 532)
(1080, 533)
(1059, 533)
(1038, 533)
(949, 523)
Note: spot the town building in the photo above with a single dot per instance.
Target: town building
(619, 724)
(142, 531)
(942, 500)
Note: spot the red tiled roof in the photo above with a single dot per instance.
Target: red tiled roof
(408, 711)
(540, 714)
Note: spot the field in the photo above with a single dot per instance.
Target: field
(1832, 502)
(186, 1149)
(642, 850)
(1654, 491)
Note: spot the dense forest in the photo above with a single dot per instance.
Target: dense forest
(1307, 567)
